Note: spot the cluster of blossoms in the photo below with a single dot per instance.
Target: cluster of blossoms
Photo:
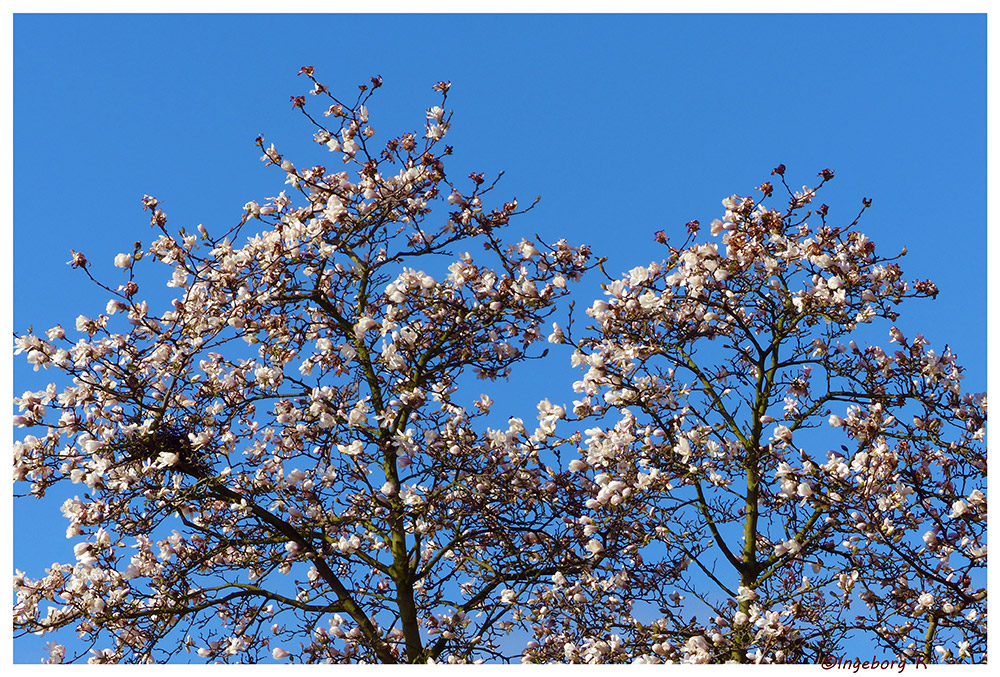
(283, 465)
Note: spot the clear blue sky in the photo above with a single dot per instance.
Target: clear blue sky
(625, 125)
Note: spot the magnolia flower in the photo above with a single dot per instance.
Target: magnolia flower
(353, 449)
(804, 196)
(57, 652)
(123, 261)
(82, 322)
(349, 545)
(823, 261)
(84, 554)
(836, 421)
(279, 653)
(350, 147)
(732, 203)
(436, 132)
(557, 335)
(167, 459)
(697, 650)
(783, 433)
(363, 325)
(435, 113)
(638, 275)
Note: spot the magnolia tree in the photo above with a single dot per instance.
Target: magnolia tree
(294, 462)
(773, 489)
(279, 464)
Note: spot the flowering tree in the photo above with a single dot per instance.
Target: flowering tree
(805, 493)
(292, 460)
(280, 463)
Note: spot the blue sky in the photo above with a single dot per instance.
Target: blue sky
(625, 125)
